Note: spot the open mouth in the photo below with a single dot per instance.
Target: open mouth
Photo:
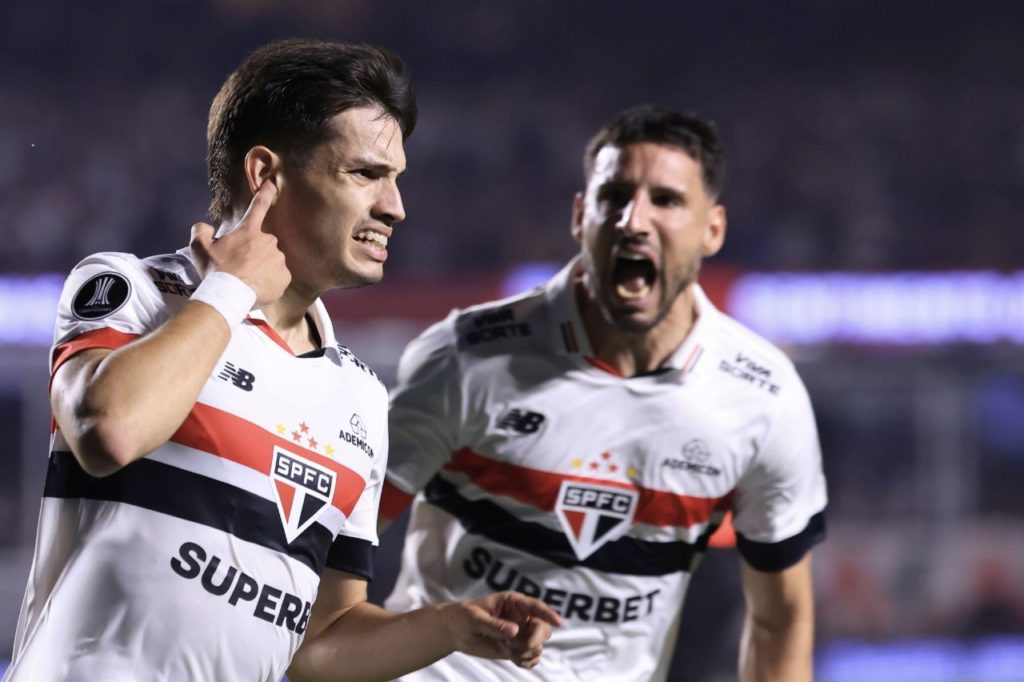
(633, 276)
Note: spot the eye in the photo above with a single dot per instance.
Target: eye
(365, 173)
(667, 199)
(614, 195)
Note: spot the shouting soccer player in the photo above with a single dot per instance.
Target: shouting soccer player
(212, 492)
(581, 442)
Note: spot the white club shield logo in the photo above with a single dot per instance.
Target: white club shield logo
(592, 514)
(303, 490)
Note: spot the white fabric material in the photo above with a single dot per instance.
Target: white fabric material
(118, 591)
(500, 404)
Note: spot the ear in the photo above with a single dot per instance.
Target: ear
(576, 224)
(714, 232)
(261, 163)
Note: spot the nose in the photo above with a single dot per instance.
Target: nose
(633, 218)
(389, 208)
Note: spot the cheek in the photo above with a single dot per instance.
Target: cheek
(681, 250)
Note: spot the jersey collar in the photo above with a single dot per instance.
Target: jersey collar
(567, 335)
(317, 312)
(324, 328)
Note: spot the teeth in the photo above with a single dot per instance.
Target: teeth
(632, 256)
(625, 293)
(374, 237)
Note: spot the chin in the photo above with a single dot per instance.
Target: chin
(634, 325)
(355, 280)
(630, 321)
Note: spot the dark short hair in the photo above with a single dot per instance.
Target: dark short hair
(284, 95)
(646, 123)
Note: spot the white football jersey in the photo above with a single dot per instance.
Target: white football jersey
(535, 469)
(201, 560)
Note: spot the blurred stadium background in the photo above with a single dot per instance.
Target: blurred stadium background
(875, 194)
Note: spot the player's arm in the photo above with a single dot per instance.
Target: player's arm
(778, 630)
(393, 503)
(424, 417)
(350, 639)
(115, 406)
(779, 515)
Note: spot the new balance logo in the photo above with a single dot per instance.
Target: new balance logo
(521, 421)
(238, 376)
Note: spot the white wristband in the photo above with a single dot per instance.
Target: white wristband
(228, 295)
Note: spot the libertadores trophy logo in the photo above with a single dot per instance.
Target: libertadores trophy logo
(592, 514)
(303, 490)
(102, 295)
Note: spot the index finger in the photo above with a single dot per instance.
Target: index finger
(261, 202)
(535, 634)
(537, 609)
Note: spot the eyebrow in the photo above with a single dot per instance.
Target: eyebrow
(667, 188)
(372, 164)
(619, 182)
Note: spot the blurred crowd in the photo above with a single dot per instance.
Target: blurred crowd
(863, 141)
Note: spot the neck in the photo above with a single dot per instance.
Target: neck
(631, 353)
(287, 315)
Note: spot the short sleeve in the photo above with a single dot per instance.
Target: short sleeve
(425, 408)
(779, 503)
(108, 299)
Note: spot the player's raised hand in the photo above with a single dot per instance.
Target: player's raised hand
(247, 252)
(507, 625)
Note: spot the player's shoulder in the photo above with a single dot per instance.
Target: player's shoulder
(117, 261)
(749, 357)
(733, 335)
(164, 267)
(348, 358)
(500, 326)
(101, 283)
(172, 268)
(467, 336)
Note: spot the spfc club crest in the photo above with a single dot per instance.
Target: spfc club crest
(592, 514)
(303, 490)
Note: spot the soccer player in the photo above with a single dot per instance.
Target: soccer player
(581, 442)
(216, 464)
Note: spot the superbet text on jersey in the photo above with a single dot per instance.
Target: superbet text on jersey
(538, 470)
(201, 560)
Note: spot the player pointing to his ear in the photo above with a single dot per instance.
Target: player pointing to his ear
(209, 510)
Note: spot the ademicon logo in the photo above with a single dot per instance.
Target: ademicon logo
(303, 490)
(592, 514)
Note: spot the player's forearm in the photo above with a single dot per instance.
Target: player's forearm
(370, 643)
(779, 651)
(133, 399)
